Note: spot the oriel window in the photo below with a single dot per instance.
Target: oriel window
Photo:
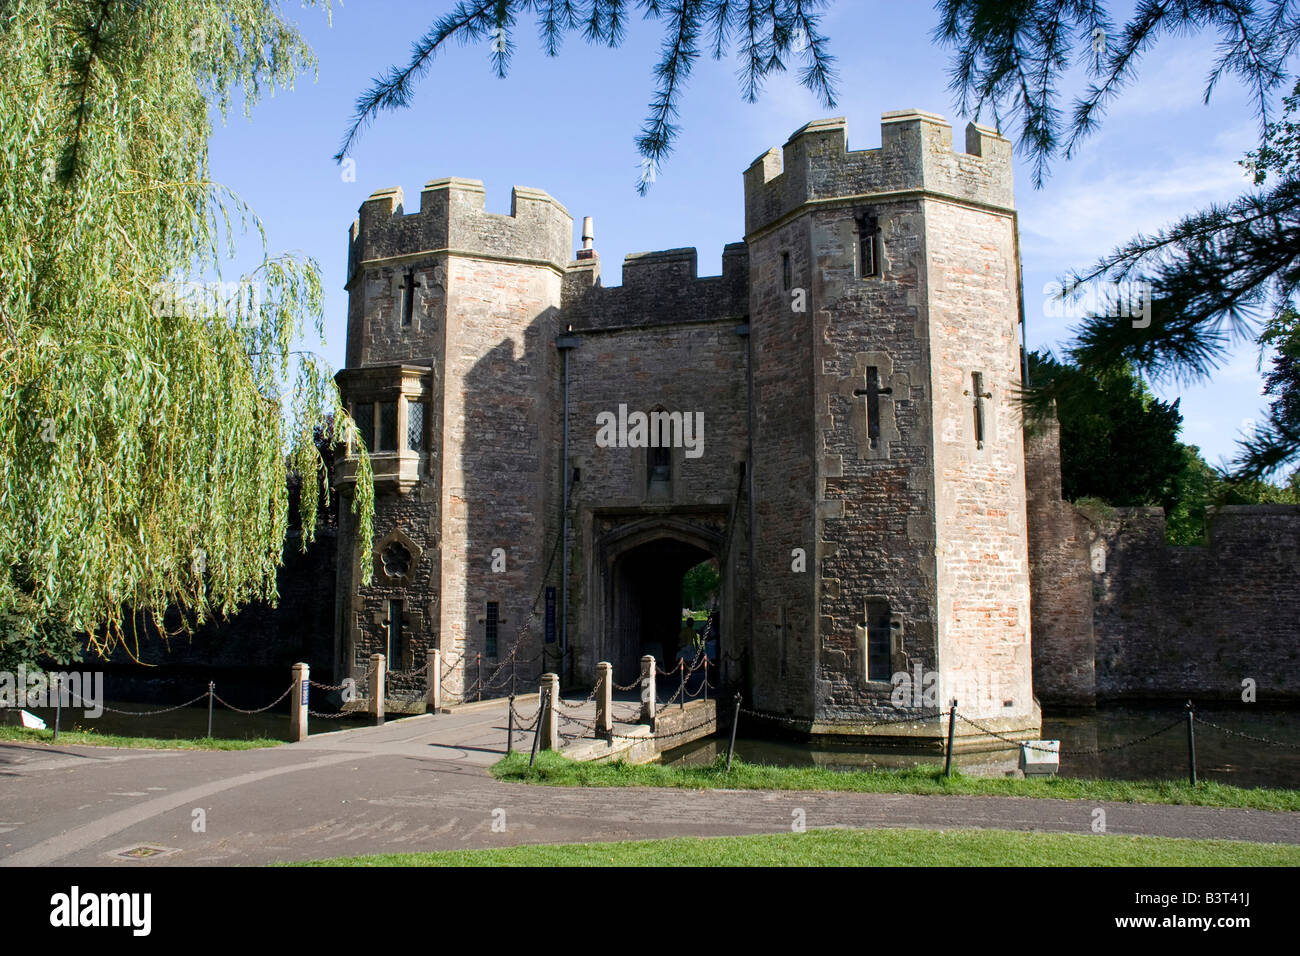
(387, 427)
(363, 413)
(415, 425)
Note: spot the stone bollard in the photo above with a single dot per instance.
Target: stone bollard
(377, 676)
(433, 681)
(605, 700)
(648, 690)
(550, 692)
(298, 702)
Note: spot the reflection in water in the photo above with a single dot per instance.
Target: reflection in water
(1219, 756)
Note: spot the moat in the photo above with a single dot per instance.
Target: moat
(1220, 757)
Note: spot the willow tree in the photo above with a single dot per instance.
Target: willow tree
(150, 403)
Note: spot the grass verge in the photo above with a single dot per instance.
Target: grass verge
(554, 770)
(30, 735)
(862, 848)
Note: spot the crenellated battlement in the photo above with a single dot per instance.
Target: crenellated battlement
(658, 288)
(916, 154)
(452, 218)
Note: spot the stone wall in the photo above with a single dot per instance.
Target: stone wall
(260, 643)
(1120, 613)
(917, 526)
(666, 340)
(1177, 621)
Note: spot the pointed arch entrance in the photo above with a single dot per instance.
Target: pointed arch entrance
(642, 564)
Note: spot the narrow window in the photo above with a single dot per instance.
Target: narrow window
(660, 464)
(977, 389)
(415, 426)
(493, 617)
(408, 296)
(868, 247)
(387, 427)
(787, 277)
(396, 651)
(363, 413)
(878, 649)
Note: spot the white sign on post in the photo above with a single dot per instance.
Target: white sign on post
(1040, 758)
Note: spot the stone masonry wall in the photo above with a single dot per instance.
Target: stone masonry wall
(666, 339)
(983, 573)
(1120, 613)
(1175, 621)
(1061, 605)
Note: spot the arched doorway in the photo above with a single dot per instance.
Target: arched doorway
(643, 567)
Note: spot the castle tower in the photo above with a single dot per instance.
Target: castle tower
(451, 313)
(890, 528)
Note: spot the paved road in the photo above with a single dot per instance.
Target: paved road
(422, 784)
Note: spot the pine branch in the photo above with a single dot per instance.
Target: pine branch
(394, 89)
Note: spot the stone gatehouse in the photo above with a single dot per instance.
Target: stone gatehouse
(837, 409)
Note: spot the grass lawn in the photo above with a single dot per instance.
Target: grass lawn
(555, 770)
(30, 735)
(863, 848)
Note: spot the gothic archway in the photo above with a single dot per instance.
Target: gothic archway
(642, 565)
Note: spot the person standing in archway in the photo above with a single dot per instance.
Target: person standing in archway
(686, 638)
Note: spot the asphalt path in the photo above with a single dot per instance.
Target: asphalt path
(422, 784)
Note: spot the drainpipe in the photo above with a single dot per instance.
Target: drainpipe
(565, 343)
(1020, 302)
(749, 482)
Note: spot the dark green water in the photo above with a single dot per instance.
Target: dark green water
(1227, 759)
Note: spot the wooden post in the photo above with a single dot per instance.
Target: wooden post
(433, 682)
(549, 717)
(605, 700)
(377, 676)
(298, 698)
(648, 690)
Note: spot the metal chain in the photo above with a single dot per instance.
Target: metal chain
(578, 706)
(286, 693)
(328, 686)
(1072, 753)
(678, 733)
(671, 700)
(792, 721)
(530, 723)
(1238, 733)
(405, 674)
(140, 713)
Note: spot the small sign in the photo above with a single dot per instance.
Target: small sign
(550, 615)
(305, 686)
(1040, 758)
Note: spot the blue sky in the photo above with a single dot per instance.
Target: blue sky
(567, 125)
